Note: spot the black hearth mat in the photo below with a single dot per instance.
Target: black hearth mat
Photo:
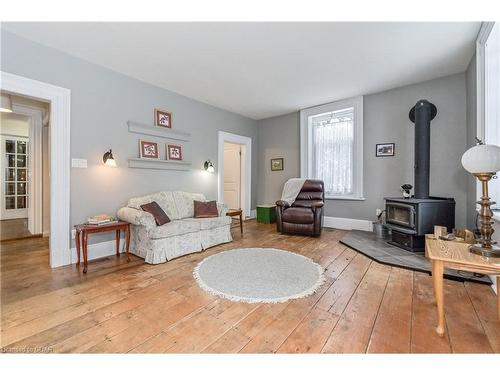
(379, 250)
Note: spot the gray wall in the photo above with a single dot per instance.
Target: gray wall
(386, 120)
(470, 76)
(278, 138)
(101, 103)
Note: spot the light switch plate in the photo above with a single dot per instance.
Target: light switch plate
(78, 163)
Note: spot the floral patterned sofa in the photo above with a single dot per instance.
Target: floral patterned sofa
(183, 235)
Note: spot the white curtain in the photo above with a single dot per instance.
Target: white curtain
(333, 152)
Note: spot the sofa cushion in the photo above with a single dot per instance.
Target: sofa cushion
(184, 202)
(166, 201)
(211, 222)
(154, 209)
(205, 209)
(298, 215)
(174, 228)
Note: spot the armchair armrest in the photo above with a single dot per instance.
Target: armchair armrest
(222, 209)
(137, 217)
(316, 205)
(282, 204)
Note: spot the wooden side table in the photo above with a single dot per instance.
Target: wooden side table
(455, 255)
(85, 229)
(237, 212)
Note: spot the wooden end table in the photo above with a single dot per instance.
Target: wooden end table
(455, 255)
(85, 229)
(236, 212)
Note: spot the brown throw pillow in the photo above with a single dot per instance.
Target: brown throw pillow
(205, 209)
(154, 209)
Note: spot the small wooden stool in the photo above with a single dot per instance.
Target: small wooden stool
(236, 212)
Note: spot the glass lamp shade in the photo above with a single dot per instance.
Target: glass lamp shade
(111, 163)
(5, 103)
(482, 159)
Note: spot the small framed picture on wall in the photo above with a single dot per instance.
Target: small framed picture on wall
(163, 119)
(277, 164)
(148, 150)
(384, 149)
(174, 152)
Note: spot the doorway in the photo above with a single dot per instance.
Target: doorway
(233, 190)
(59, 99)
(24, 177)
(234, 163)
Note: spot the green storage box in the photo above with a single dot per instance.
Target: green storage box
(266, 213)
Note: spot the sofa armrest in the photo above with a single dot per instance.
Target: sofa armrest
(137, 217)
(222, 209)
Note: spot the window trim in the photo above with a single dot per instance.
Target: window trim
(306, 142)
(482, 103)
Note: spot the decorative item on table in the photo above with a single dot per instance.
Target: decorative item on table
(163, 119)
(406, 190)
(148, 150)
(384, 149)
(108, 159)
(277, 164)
(483, 161)
(174, 152)
(379, 228)
(209, 166)
(101, 219)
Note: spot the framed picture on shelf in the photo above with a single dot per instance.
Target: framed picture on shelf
(174, 152)
(163, 119)
(277, 164)
(384, 149)
(148, 150)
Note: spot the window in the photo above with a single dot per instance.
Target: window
(332, 147)
(489, 92)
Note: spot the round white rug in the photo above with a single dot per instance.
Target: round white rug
(257, 275)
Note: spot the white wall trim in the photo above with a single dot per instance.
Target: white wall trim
(242, 140)
(347, 224)
(306, 141)
(35, 199)
(482, 37)
(98, 250)
(60, 121)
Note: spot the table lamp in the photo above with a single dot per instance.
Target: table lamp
(483, 161)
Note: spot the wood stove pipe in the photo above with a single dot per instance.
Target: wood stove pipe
(421, 115)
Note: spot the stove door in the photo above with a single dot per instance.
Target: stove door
(400, 214)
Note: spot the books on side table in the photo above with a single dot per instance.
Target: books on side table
(102, 219)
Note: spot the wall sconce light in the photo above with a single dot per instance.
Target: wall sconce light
(5, 103)
(209, 166)
(108, 159)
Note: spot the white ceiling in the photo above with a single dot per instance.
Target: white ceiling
(262, 70)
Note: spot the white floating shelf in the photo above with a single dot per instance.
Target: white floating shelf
(155, 131)
(144, 163)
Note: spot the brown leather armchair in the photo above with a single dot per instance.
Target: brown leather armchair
(305, 215)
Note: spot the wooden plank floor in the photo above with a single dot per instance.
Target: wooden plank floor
(135, 307)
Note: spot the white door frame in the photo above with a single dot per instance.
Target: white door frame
(242, 140)
(60, 102)
(35, 199)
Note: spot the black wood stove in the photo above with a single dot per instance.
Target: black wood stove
(411, 218)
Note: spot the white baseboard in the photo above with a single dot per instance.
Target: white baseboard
(98, 250)
(347, 224)
(253, 214)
